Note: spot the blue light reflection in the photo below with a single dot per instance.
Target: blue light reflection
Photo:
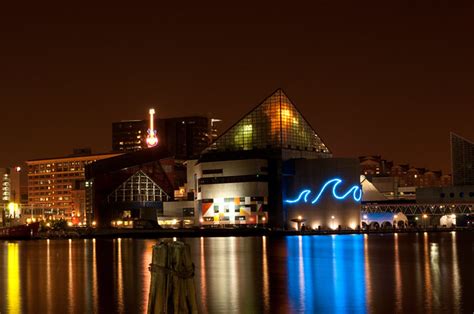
(326, 274)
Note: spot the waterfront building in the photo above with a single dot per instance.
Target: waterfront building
(399, 182)
(184, 137)
(462, 160)
(56, 185)
(258, 170)
(132, 186)
(269, 168)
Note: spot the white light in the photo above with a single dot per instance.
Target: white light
(332, 217)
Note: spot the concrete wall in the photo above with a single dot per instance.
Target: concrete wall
(312, 175)
(224, 203)
(175, 209)
(451, 194)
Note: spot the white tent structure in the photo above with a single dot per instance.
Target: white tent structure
(369, 191)
(447, 220)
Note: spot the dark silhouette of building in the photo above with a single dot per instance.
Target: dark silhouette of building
(183, 137)
(462, 160)
(133, 185)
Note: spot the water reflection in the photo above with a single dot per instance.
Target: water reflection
(266, 279)
(326, 274)
(398, 277)
(455, 269)
(13, 278)
(351, 273)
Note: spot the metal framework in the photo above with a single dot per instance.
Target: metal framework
(419, 209)
(138, 188)
(274, 123)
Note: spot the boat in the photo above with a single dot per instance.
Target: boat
(25, 231)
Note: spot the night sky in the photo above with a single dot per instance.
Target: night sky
(371, 78)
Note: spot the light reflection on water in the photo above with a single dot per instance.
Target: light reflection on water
(300, 274)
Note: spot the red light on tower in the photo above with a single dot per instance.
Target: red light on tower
(151, 138)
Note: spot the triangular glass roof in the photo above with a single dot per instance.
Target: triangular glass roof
(138, 188)
(273, 124)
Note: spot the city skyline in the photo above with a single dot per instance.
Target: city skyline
(398, 89)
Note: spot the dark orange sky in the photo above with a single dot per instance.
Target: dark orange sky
(371, 78)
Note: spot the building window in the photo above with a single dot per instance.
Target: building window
(188, 212)
(212, 171)
(216, 209)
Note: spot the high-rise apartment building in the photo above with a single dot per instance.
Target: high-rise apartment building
(183, 137)
(462, 160)
(56, 185)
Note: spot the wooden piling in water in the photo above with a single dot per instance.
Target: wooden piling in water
(172, 279)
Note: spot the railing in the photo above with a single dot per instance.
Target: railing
(419, 209)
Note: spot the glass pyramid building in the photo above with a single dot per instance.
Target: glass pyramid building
(273, 124)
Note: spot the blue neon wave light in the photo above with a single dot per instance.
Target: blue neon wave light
(355, 190)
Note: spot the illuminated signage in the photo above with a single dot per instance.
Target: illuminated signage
(304, 195)
(151, 139)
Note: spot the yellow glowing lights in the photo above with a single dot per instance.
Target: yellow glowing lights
(13, 209)
(299, 217)
(248, 128)
(151, 138)
(425, 216)
(13, 275)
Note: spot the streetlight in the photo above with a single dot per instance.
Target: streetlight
(425, 216)
(298, 221)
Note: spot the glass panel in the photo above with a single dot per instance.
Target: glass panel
(275, 123)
